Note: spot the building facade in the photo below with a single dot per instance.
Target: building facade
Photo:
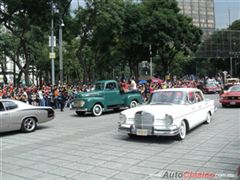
(202, 13)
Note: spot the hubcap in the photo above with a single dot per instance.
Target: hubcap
(183, 130)
(29, 124)
(133, 104)
(97, 110)
(208, 118)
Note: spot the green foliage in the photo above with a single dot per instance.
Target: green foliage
(235, 25)
(101, 39)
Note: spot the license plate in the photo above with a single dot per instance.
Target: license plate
(142, 132)
(232, 102)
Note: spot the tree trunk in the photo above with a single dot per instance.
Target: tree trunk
(3, 71)
(27, 63)
(19, 78)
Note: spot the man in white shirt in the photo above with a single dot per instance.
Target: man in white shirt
(41, 98)
(133, 84)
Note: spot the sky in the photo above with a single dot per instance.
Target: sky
(222, 7)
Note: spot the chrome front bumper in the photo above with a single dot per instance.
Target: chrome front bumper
(156, 131)
(80, 110)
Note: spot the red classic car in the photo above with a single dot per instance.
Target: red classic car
(211, 88)
(231, 97)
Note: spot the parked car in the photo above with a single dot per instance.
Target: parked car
(107, 95)
(169, 112)
(16, 115)
(232, 80)
(231, 96)
(211, 88)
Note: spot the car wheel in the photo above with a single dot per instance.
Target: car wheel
(29, 124)
(133, 104)
(80, 113)
(208, 118)
(182, 131)
(97, 110)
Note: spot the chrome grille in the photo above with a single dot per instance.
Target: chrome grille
(143, 120)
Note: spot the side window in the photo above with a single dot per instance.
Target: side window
(199, 96)
(111, 86)
(191, 97)
(1, 107)
(10, 105)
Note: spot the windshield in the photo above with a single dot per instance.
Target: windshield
(210, 85)
(168, 97)
(235, 88)
(99, 86)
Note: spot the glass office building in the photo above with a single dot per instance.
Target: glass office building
(202, 13)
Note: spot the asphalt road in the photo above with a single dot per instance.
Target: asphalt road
(72, 147)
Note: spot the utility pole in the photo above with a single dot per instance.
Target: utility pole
(230, 44)
(61, 25)
(150, 51)
(52, 46)
(60, 50)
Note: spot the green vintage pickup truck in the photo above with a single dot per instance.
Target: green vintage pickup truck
(105, 96)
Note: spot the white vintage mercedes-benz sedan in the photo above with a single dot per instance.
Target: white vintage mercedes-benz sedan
(16, 115)
(169, 112)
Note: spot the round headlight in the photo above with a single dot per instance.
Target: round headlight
(168, 119)
(82, 103)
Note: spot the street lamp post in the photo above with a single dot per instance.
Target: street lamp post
(61, 25)
(60, 51)
(151, 69)
(231, 66)
(52, 46)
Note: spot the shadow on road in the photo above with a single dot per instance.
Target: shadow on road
(148, 139)
(12, 133)
(88, 114)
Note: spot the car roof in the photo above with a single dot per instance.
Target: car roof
(13, 100)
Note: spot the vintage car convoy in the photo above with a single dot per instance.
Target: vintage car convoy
(105, 96)
(231, 96)
(16, 115)
(169, 112)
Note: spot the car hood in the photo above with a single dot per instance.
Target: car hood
(158, 111)
(231, 93)
(89, 94)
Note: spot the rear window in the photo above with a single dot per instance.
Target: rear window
(9, 105)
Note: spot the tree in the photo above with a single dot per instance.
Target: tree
(100, 24)
(20, 17)
(169, 32)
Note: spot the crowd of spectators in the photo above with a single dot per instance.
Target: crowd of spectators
(59, 96)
